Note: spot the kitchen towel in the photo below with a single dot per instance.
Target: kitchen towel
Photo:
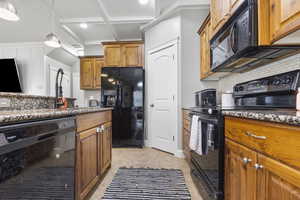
(194, 132)
(202, 147)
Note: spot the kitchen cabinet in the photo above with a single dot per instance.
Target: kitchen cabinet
(186, 134)
(220, 12)
(205, 56)
(112, 54)
(234, 4)
(90, 73)
(260, 166)
(133, 55)
(93, 150)
(124, 54)
(88, 154)
(106, 147)
(239, 173)
(284, 18)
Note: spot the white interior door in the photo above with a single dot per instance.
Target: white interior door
(162, 91)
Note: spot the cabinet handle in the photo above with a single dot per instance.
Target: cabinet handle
(98, 130)
(255, 136)
(258, 166)
(246, 160)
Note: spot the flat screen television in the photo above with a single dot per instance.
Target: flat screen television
(9, 76)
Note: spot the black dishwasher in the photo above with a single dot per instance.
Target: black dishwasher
(37, 160)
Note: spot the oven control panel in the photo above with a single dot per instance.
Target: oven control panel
(285, 82)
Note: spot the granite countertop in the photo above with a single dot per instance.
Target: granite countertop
(291, 117)
(28, 115)
(23, 95)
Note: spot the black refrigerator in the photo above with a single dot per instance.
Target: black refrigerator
(123, 89)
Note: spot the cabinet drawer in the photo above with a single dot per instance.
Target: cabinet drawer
(90, 120)
(282, 142)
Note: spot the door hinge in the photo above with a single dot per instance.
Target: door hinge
(173, 138)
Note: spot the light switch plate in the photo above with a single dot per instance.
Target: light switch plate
(4, 103)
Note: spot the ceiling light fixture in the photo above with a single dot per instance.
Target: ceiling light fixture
(8, 11)
(110, 80)
(51, 39)
(104, 75)
(84, 25)
(144, 2)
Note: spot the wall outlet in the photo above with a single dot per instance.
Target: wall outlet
(4, 103)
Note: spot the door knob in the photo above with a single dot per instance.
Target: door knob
(151, 105)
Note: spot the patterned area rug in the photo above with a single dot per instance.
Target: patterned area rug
(143, 184)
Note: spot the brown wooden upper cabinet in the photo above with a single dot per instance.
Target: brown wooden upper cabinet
(124, 54)
(284, 18)
(90, 72)
(204, 33)
(219, 10)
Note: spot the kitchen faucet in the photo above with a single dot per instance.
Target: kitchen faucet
(58, 88)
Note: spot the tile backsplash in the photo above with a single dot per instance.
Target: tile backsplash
(285, 65)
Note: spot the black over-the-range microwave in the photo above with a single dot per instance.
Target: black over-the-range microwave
(235, 48)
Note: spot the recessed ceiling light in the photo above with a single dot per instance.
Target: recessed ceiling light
(84, 25)
(8, 11)
(144, 2)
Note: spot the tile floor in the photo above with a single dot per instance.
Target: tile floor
(146, 157)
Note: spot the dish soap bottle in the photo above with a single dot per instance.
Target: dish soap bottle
(298, 100)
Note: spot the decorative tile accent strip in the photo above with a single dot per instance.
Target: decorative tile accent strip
(18, 101)
(286, 117)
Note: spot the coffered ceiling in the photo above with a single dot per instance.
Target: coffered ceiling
(105, 20)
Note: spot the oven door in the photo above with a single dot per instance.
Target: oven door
(207, 169)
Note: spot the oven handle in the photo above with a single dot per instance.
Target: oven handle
(211, 121)
(233, 38)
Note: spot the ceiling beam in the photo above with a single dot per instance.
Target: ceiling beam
(106, 17)
(114, 20)
(97, 42)
(73, 35)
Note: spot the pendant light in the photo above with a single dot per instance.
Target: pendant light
(8, 11)
(51, 39)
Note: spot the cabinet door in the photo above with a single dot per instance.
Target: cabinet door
(219, 11)
(112, 55)
(205, 51)
(87, 73)
(106, 142)
(284, 18)
(132, 55)
(277, 181)
(87, 161)
(240, 175)
(99, 63)
(234, 4)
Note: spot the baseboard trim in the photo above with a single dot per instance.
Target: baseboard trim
(179, 154)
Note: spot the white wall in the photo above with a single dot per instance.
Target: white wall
(51, 68)
(288, 64)
(93, 50)
(191, 21)
(30, 59)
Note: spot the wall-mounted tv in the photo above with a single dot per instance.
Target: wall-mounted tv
(9, 76)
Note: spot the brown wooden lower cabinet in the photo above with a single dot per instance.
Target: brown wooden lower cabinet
(253, 176)
(186, 133)
(93, 151)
